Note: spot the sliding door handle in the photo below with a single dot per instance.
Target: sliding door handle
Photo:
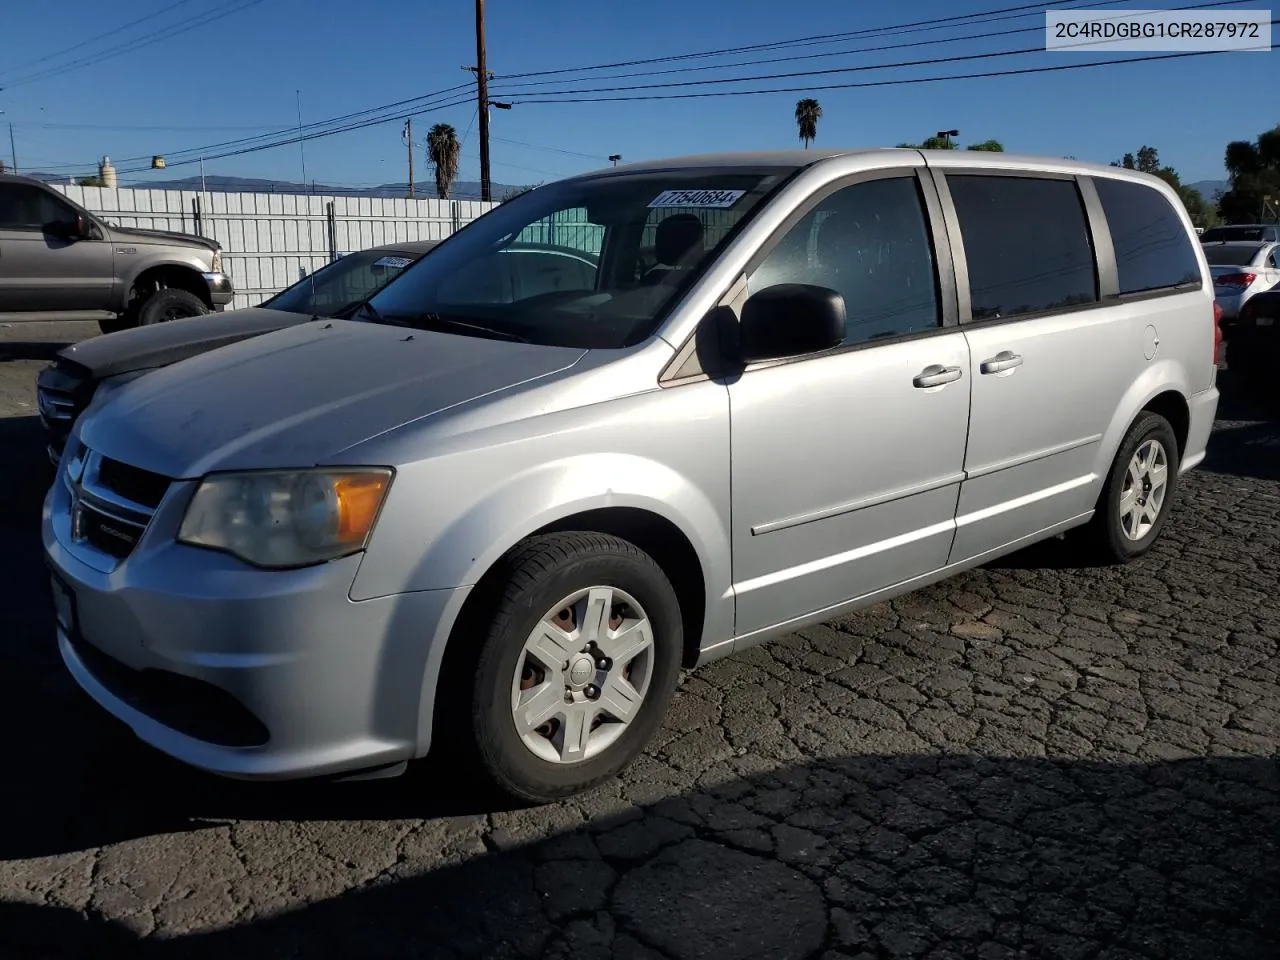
(935, 375)
(1002, 361)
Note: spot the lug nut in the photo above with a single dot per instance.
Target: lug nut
(592, 691)
(568, 695)
(604, 663)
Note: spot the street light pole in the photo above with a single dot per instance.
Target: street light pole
(946, 136)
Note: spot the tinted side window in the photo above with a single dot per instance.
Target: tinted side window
(870, 242)
(1027, 244)
(1151, 244)
(24, 207)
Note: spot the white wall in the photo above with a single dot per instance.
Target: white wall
(270, 240)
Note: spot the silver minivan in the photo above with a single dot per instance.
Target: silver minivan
(506, 502)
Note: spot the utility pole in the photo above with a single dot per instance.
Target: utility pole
(408, 135)
(13, 151)
(482, 103)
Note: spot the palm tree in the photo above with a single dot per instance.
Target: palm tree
(442, 151)
(808, 113)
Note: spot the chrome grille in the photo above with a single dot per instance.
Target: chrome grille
(111, 502)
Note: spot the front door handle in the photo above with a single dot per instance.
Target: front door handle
(935, 375)
(1004, 360)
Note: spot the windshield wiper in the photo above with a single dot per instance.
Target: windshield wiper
(438, 321)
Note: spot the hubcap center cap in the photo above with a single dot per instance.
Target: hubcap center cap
(582, 670)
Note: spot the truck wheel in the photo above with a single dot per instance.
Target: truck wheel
(169, 304)
(1138, 495)
(577, 666)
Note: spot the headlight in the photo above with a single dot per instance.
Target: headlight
(286, 519)
(216, 266)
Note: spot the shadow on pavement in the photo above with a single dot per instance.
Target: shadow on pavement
(896, 856)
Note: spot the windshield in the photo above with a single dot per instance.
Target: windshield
(587, 263)
(1230, 256)
(343, 283)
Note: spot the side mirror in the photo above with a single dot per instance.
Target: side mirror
(790, 320)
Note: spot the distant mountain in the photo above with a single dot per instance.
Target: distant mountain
(462, 190)
(1208, 188)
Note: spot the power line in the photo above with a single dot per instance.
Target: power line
(826, 71)
(315, 125)
(137, 43)
(41, 124)
(536, 146)
(879, 83)
(101, 36)
(814, 39)
(301, 138)
(859, 50)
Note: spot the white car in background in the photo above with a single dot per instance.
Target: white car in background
(1240, 269)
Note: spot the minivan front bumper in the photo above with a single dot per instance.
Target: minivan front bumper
(240, 672)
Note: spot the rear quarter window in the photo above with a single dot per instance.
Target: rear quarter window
(1153, 249)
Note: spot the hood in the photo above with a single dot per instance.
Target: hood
(296, 397)
(161, 236)
(145, 348)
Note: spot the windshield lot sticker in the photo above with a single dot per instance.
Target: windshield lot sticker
(392, 262)
(696, 198)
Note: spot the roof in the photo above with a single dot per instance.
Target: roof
(792, 159)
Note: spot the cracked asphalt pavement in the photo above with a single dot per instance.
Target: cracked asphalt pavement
(1032, 760)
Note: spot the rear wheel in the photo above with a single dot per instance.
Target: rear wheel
(1138, 493)
(579, 662)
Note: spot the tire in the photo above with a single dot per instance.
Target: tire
(169, 303)
(1110, 538)
(539, 576)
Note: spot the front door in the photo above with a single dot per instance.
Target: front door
(846, 465)
(43, 266)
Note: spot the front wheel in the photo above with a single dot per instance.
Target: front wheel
(1138, 493)
(170, 303)
(580, 660)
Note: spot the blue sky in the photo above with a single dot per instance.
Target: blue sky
(238, 76)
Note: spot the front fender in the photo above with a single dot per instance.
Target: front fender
(468, 543)
(130, 268)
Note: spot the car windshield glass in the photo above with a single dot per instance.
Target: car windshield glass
(581, 263)
(1230, 256)
(343, 283)
(1231, 233)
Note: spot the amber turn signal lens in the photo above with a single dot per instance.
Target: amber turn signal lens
(359, 497)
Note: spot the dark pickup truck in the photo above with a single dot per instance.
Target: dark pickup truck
(93, 368)
(58, 258)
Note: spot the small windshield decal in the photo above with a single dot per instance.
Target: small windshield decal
(696, 198)
(392, 262)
